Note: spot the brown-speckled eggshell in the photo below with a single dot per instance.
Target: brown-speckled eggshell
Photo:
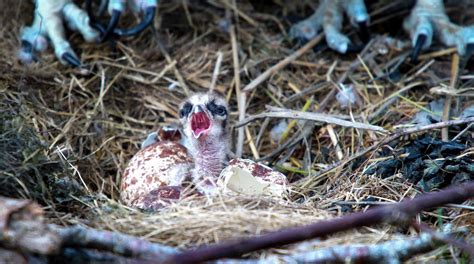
(260, 171)
(153, 168)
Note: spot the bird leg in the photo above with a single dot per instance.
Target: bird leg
(329, 16)
(427, 19)
(48, 24)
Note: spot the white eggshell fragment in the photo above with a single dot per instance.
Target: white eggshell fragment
(247, 177)
(155, 175)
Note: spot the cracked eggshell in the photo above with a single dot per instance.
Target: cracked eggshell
(251, 178)
(155, 174)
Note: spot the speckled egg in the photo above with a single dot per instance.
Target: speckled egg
(154, 176)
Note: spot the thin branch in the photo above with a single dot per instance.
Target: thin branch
(394, 136)
(283, 63)
(311, 117)
(241, 97)
(447, 238)
(387, 252)
(398, 213)
(170, 61)
(217, 70)
(449, 98)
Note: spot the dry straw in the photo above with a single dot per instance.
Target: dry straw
(90, 124)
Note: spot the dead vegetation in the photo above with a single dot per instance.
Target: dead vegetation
(66, 135)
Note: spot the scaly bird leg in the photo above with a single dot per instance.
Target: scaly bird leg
(329, 17)
(427, 19)
(48, 24)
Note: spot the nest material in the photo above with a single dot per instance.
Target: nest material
(197, 221)
(83, 129)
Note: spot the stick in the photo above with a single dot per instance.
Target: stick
(216, 72)
(387, 252)
(283, 63)
(392, 137)
(446, 238)
(241, 97)
(312, 117)
(120, 244)
(449, 98)
(398, 213)
(170, 61)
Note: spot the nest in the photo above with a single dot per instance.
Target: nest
(69, 134)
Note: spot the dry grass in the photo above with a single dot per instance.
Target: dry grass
(86, 126)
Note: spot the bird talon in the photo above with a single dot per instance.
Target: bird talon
(26, 46)
(112, 25)
(71, 59)
(420, 42)
(364, 32)
(26, 53)
(351, 48)
(469, 51)
(149, 16)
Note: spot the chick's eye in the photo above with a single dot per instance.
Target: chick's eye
(216, 109)
(185, 110)
(220, 110)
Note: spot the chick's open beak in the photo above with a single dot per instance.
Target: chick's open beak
(200, 122)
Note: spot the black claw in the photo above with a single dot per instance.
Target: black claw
(112, 25)
(364, 32)
(465, 59)
(102, 7)
(89, 10)
(28, 51)
(293, 19)
(395, 76)
(469, 51)
(26, 46)
(300, 41)
(71, 59)
(420, 42)
(351, 48)
(149, 15)
(95, 23)
(320, 46)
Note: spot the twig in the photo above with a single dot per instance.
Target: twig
(170, 61)
(399, 213)
(449, 98)
(312, 117)
(446, 238)
(241, 97)
(392, 137)
(280, 65)
(392, 251)
(216, 72)
(387, 252)
(335, 142)
(463, 131)
(308, 128)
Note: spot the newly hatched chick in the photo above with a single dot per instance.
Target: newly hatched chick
(204, 119)
(158, 172)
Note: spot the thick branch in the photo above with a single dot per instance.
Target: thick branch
(393, 251)
(117, 243)
(22, 229)
(397, 213)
